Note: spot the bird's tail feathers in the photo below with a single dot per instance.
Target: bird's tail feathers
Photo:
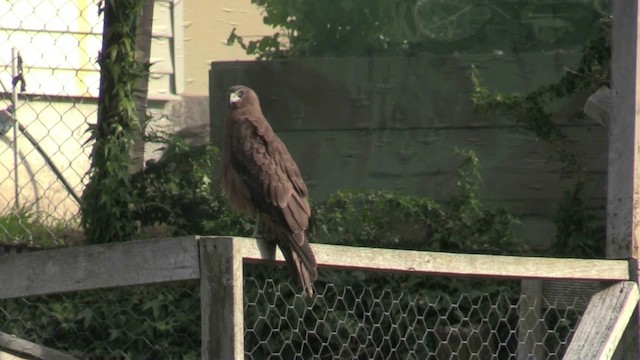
(301, 262)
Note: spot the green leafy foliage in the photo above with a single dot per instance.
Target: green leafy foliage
(145, 322)
(580, 230)
(390, 220)
(21, 225)
(308, 28)
(29, 228)
(532, 110)
(177, 192)
(375, 218)
(473, 228)
(106, 202)
(581, 226)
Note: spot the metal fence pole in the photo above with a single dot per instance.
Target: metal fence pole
(14, 101)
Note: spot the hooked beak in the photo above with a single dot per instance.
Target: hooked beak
(233, 98)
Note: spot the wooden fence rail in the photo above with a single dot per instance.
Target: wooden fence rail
(217, 262)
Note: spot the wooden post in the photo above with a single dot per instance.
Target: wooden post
(221, 299)
(623, 188)
(622, 139)
(604, 322)
(530, 336)
(99, 266)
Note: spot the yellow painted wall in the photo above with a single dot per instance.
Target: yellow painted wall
(207, 27)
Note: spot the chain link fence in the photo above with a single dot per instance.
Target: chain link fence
(355, 315)
(50, 80)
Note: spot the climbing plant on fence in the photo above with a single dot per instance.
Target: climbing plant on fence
(106, 211)
(580, 231)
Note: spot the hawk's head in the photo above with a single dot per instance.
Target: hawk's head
(241, 96)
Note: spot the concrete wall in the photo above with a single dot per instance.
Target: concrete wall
(394, 123)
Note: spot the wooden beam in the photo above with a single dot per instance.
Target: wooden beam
(26, 349)
(426, 262)
(221, 302)
(621, 134)
(174, 259)
(604, 322)
(98, 266)
(623, 186)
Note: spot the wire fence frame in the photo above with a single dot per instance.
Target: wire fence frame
(218, 263)
(225, 308)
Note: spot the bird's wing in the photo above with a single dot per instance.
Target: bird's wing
(269, 173)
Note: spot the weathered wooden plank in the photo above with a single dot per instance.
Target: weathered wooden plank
(623, 190)
(622, 130)
(426, 262)
(98, 266)
(16, 346)
(173, 259)
(604, 322)
(221, 302)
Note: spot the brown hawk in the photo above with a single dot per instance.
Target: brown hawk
(260, 179)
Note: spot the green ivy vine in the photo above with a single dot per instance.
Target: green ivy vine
(580, 231)
(107, 199)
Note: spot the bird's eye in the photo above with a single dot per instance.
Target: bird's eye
(241, 93)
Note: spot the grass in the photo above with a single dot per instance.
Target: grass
(27, 228)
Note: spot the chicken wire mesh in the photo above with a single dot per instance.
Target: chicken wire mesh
(354, 315)
(359, 315)
(50, 80)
